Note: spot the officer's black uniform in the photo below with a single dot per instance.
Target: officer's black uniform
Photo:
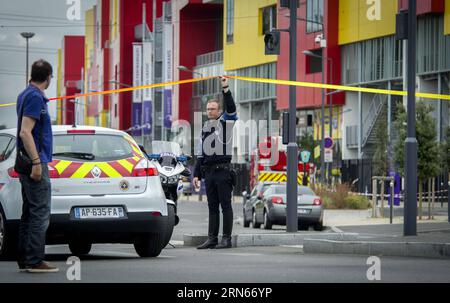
(214, 166)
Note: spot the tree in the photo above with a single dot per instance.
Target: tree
(428, 165)
(306, 142)
(444, 150)
(380, 159)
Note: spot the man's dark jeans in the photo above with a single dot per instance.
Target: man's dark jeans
(35, 219)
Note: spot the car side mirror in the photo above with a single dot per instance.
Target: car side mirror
(142, 148)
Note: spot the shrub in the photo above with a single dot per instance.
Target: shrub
(327, 202)
(356, 202)
(339, 194)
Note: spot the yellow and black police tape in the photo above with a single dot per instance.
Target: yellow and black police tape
(257, 80)
(279, 177)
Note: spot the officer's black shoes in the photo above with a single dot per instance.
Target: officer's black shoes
(210, 243)
(225, 243)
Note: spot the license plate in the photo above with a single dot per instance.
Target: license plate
(98, 212)
(303, 211)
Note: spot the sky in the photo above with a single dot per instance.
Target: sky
(49, 21)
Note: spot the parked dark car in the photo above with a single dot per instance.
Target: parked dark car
(267, 206)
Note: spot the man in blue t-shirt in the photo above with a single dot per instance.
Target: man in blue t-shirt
(35, 139)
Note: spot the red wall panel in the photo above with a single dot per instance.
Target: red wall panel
(309, 97)
(424, 6)
(198, 28)
(73, 63)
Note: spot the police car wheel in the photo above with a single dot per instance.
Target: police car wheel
(8, 244)
(170, 224)
(149, 245)
(2, 235)
(79, 247)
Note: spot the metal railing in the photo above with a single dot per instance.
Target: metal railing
(372, 115)
(369, 122)
(209, 58)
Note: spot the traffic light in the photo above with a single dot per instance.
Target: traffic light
(272, 42)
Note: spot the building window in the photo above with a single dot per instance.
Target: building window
(314, 12)
(269, 19)
(230, 21)
(314, 64)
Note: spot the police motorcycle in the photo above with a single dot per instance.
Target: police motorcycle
(171, 165)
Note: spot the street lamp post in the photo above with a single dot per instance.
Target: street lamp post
(410, 209)
(292, 148)
(144, 22)
(27, 36)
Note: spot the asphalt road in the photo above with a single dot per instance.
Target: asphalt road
(194, 220)
(114, 263)
(119, 263)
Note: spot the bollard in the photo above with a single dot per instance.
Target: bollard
(391, 215)
(374, 197)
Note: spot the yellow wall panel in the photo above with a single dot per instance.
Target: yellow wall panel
(89, 37)
(354, 24)
(114, 9)
(447, 18)
(247, 48)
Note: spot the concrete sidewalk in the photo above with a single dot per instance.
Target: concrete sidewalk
(349, 232)
(432, 240)
(435, 244)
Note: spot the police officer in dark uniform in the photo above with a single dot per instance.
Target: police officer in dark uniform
(214, 166)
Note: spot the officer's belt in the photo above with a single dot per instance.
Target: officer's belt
(209, 167)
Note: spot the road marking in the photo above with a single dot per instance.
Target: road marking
(241, 254)
(177, 243)
(113, 253)
(336, 230)
(293, 246)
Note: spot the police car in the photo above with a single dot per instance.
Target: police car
(104, 190)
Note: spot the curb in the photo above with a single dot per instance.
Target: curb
(400, 249)
(244, 240)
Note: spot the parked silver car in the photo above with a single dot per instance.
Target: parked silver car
(104, 190)
(269, 207)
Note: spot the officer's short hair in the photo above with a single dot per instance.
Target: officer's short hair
(214, 101)
(40, 71)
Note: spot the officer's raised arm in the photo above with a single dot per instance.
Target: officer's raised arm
(229, 112)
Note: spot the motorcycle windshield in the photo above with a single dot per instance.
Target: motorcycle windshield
(162, 147)
(168, 161)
